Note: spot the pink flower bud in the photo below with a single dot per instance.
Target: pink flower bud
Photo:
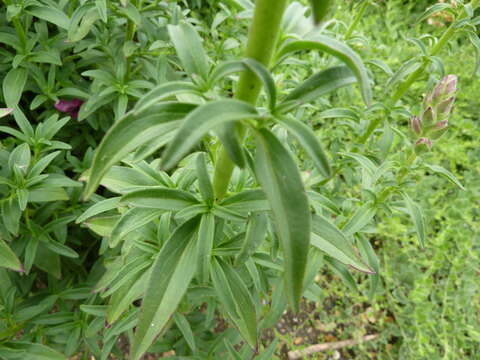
(445, 88)
(423, 145)
(416, 124)
(445, 107)
(428, 117)
(451, 81)
(439, 129)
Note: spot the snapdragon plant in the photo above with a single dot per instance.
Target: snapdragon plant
(228, 211)
(223, 194)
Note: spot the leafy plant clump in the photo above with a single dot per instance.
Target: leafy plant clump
(154, 185)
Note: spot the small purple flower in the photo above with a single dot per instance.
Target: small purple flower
(71, 107)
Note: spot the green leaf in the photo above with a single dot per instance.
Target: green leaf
(132, 13)
(171, 274)
(163, 92)
(188, 45)
(206, 236)
(234, 355)
(60, 249)
(204, 182)
(433, 10)
(342, 271)
(42, 164)
(160, 198)
(50, 14)
(35, 351)
(182, 323)
(320, 9)
(247, 201)
(307, 138)
(128, 133)
(130, 221)
(11, 214)
(446, 174)
(8, 258)
(281, 181)
(236, 299)
(200, 121)
(248, 64)
(102, 9)
(418, 218)
(264, 75)
(360, 219)
(98, 208)
(317, 85)
(81, 25)
(255, 234)
(13, 85)
(331, 240)
(338, 49)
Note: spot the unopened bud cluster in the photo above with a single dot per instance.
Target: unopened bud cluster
(433, 122)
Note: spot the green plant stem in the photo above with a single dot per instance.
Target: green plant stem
(405, 86)
(356, 20)
(262, 40)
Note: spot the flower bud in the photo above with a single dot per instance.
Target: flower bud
(416, 125)
(439, 129)
(445, 107)
(446, 88)
(428, 117)
(451, 86)
(423, 145)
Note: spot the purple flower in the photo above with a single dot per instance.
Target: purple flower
(71, 107)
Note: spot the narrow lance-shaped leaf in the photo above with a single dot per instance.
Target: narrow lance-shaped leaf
(204, 182)
(188, 45)
(360, 219)
(307, 138)
(206, 235)
(320, 9)
(446, 174)
(200, 121)
(130, 221)
(98, 208)
(264, 75)
(128, 133)
(317, 85)
(338, 49)
(13, 85)
(331, 240)
(256, 232)
(236, 299)
(418, 218)
(8, 259)
(163, 92)
(160, 198)
(280, 179)
(184, 326)
(171, 274)
(248, 64)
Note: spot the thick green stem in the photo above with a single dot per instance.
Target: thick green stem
(356, 20)
(262, 40)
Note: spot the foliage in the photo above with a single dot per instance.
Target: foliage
(213, 208)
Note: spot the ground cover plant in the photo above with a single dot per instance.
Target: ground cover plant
(173, 183)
